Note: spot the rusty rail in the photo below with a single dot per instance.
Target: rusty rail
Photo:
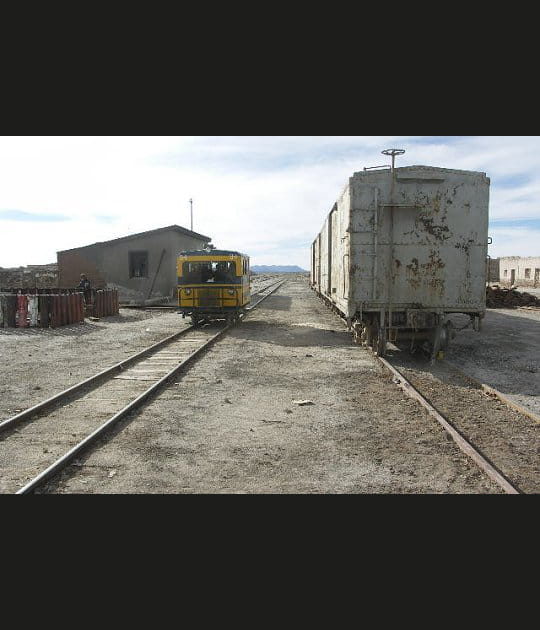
(487, 467)
(495, 393)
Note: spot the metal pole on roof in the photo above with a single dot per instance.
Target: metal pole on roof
(391, 277)
(393, 153)
(191, 204)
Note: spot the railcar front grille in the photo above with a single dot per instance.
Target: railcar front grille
(209, 297)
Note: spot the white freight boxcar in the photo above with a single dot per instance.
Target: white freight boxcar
(401, 250)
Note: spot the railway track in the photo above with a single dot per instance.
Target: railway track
(498, 435)
(46, 438)
(501, 438)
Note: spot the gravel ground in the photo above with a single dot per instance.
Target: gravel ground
(504, 355)
(38, 363)
(232, 423)
(508, 439)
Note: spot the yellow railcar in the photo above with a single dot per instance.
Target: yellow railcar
(212, 284)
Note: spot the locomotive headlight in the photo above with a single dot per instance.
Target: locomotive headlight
(187, 291)
(231, 291)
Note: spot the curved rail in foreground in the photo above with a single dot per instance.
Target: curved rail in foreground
(487, 467)
(62, 462)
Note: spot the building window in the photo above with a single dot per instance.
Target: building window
(527, 273)
(138, 264)
(506, 273)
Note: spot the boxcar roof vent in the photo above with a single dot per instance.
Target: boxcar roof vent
(393, 153)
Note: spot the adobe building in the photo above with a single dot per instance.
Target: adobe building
(524, 272)
(141, 266)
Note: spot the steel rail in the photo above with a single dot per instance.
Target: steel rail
(32, 411)
(495, 393)
(273, 290)
(487, 467)
(62, 462)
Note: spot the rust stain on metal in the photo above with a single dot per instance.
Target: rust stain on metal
(413, 267)
(432, 219)
(431, 269)
(427, 273)
(412, 273)
(435, 261)
(440, 232)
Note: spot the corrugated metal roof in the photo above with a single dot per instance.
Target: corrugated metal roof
(176, 228)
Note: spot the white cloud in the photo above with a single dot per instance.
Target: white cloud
(509, 241)
(264, 195)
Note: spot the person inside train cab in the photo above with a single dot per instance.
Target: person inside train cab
(220, 274)
(206, 272)
(231, 272)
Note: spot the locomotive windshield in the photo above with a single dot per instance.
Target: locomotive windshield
(222, 272)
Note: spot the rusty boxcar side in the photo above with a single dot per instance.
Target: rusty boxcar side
(401, 250)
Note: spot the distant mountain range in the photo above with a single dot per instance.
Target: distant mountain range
(277, 269)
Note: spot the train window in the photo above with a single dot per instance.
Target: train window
(138, 264)
(205, 272)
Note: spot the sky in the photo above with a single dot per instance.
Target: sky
(266, 196)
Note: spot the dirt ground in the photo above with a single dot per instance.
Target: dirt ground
(37, 363)
(508, 439)
(232, 423)
(504, 355)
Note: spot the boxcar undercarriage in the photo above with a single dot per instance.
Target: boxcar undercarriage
(417, 330)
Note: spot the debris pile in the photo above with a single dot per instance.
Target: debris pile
(499, 297)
